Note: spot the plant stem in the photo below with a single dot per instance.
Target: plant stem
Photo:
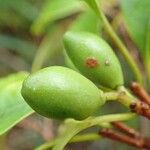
(81, 125)
(124, 97)
(126, 100)
(46, 145)
(140, 92)
(110, 96)
(112, 117)
(73, 127)
(77, 138)
(86, 137)
(122, 48)
(120, 96)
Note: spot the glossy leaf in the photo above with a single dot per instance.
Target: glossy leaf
(12, 106)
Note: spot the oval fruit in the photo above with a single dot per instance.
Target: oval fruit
(94, 58)
(59, 92)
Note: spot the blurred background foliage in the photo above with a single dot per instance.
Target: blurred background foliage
(31, 34)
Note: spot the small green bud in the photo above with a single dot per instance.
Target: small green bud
(94, 58)
(59, 92)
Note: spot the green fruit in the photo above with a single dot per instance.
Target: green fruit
(94, 58)
(59, 92)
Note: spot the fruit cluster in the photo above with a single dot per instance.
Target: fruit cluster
(59, 92)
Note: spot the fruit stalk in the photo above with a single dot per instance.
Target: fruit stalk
(135, 105)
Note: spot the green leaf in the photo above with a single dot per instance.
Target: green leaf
(87, 21)
(54, 10)
(48, 48)
(22, 47)
(94, 5)
(22, 7)
(14, 20)
(12, 106)
(136, 14)
(147, 52)
(77, 138)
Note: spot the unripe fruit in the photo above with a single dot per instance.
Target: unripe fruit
(94, 58)
(59, 92)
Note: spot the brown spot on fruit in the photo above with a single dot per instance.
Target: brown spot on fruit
(91, 62)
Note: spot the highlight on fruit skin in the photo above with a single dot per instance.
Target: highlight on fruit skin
(59, 92)
(94, 58)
